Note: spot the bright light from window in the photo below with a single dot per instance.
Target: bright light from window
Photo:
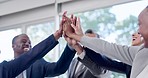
(6, 43)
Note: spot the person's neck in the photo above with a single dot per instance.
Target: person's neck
(146, 44)
(16, 55)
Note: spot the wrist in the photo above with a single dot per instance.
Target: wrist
(57, 35)
(79, 50)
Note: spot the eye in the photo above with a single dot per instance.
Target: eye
(133, 35)
(24, 41)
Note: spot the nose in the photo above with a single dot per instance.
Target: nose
(27, 44)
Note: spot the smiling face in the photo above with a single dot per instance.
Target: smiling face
(137, 39)
(143, 25)
(21, 44)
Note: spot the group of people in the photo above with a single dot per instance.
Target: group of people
(135, 56)
(95, 56)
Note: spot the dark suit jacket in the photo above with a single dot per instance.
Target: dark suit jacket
(13, 68)
(81, 73)
(41, 68)
(107, 63)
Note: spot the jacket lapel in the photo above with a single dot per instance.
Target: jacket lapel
(80, 71)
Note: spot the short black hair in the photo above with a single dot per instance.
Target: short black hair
(90, 31)
(14, 39)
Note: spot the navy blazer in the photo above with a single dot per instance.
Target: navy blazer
(108, 63)
(41, 68)
(13, 68)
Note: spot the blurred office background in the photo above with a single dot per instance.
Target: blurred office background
(114, 20)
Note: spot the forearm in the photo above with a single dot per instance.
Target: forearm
(62, 64)
(106, 62)
(92, 66)
(122, 53)
(57, 35)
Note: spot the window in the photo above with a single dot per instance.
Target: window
(38, 32)
(6, 43)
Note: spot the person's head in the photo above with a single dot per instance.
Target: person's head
(91, 33)
(137, 39)
(143, 25)
(21, 43)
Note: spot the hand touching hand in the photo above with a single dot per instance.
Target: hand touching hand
(72, 27)
(73, 43)
(67, 24)
(78, 33)
(77, 27)
(59, 32)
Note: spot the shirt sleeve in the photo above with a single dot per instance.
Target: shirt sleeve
(82, 55)
(123, 53)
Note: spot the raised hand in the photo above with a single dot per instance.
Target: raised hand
(73, 43)
(77, 27)
(59, 32)
(67, 24)
(72, 27)
(78, 33)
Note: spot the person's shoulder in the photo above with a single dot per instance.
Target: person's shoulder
(3, 62)
(140, 47)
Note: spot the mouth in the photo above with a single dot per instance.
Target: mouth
(26, 49)
(134, 39)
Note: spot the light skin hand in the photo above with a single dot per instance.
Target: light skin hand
(77, 27)
(73, 43)
(78, 48)
(78, 33)
(73, 19)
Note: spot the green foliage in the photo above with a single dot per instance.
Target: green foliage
(101, 20)
(104, 23)
(126, 27)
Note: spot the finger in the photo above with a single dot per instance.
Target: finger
(61, 25)
(64, 14)
(65, 36)
(78, 22)
(79, 25)
(71, 18)
(64, 17)
(73, 26)
(75, 21)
